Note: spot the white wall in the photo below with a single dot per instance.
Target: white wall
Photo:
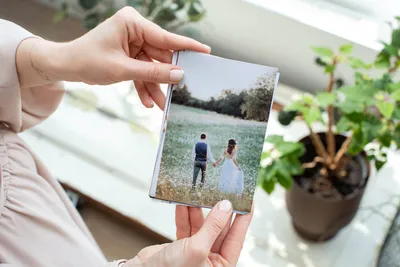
(238, 29)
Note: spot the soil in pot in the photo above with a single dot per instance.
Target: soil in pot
(319, 206)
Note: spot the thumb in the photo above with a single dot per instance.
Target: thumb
(139, 70)
(215, 222)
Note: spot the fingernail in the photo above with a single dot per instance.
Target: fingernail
(175, 75)
(225, 206)
(208, 48)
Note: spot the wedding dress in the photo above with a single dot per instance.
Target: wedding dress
(231, 178)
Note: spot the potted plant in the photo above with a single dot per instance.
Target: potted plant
(326, 172)
(169, 14)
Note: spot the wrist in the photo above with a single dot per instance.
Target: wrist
(41, 62)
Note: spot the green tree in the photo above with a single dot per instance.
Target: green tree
(259, 98)
(181, 95)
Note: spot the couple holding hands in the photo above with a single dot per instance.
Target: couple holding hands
(231, 175)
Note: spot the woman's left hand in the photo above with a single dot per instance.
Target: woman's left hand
(201, 243)
(121, 48)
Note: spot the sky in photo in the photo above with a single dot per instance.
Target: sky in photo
(206, 76)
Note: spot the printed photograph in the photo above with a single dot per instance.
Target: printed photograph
(215, 132)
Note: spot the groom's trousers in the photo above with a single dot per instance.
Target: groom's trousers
(199, 166)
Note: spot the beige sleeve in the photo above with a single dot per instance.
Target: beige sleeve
(21, 109)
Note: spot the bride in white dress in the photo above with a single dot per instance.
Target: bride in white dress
(231, 178)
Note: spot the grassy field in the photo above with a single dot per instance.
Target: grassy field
(185, 125)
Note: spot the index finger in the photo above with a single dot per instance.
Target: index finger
(182, 222)
(233, 242)
(160, 38)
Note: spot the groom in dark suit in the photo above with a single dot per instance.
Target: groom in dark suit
(201, 154)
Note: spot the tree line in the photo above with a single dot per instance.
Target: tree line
(251, 104)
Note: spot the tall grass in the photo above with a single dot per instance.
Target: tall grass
(185, 125)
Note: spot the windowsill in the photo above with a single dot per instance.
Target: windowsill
(330, 18)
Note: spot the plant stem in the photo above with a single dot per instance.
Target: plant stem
(309, 165)
(331, 117)
(318, 145)
(395, 65)
(343, 149)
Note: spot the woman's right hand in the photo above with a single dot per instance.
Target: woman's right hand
(211, 242)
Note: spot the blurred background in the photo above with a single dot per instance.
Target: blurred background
(101, 143)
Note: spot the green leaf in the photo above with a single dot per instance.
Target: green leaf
(357, 142)
(91, 21)
(348, 107)
(355, 117)
(325, 99)
(396, 38)
(396, 113)
(196, 12)
(286, 148)
(386, 108)
(357, 63)
(295, 106)
(164, 15)
(283, 176)
(283, 180)
(268, 186)
(370, 127)
(329, 69)
(362, 79)
(398, 18)
(382, 61)
(383, 83)
(320, 62)
(270, 171)
(339, 83)
(379, 164)
(294, 165)
(395, 95)
(341, 58)
(396, 135)
(380, 96)
(135, 3)
(385, 139)
(362, 94)
(286, 117)
(312, 114)
(265, 155)
(390, 49)
(344, 125)
(394, 86)
(274, 139)
(88, 4)
(323, 51)
(346, 48)
(261, 174)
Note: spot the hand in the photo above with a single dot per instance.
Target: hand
(121, 48)
(214, 163)
(213, 242)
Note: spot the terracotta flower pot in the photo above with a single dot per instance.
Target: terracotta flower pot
(317, 218)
